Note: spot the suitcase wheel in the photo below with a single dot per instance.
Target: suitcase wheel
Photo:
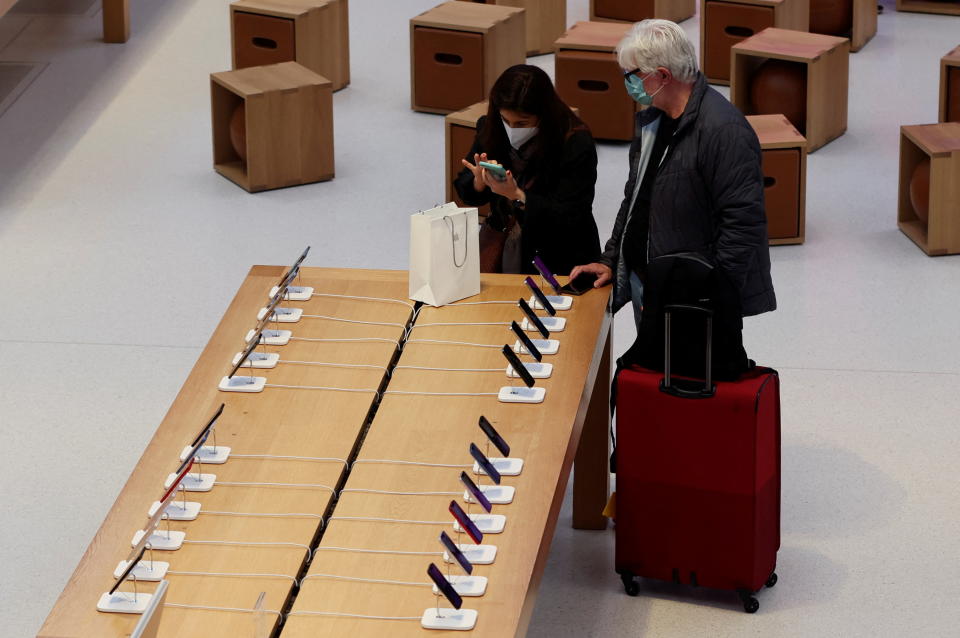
(772, 580)
(630, 586)
(750, 604)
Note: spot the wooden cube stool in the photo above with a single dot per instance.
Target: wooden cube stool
(588, 75)
(724, 24)
(272, 126)
(946, 7)
(546, 20)
(854, 19)
(314, 33)
(801, 75)
(784, 153)
(460, 129)
(459, 49)
(950, 86)
(928, 210)
(637, 10)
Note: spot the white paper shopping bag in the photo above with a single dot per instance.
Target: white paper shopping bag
(444, 254)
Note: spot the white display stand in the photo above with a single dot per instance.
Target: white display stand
(476, 554)
(553, 324)
(242, 384)
(455, 619)
(466, 585)
(193, 482)
(506, 466)
(486, 523)
(122, 602)
(517, 394)
(545, 346)
(163, 541)
(282, 315)
(294, 293)
(271, 337)
(536, 370)
(564, 302)
(147, 571)
(496, 494)
(208, 454)
(178, 510)
(258, 360)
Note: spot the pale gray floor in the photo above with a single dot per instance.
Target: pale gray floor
(120, 248)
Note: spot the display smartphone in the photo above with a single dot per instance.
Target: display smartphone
(475, 492)
(542, 298)
(258, 335)
(270, 310)
(444, 586)
(294, 269)
(547, 275)
(494, 436)
(465, 523)
(209, 425)
(455, 553)
(580, 284)
(532, 350)
(499, 173)
(518, 366)
(485, 464)
(533, 318)
(194, 449)
(126, 572)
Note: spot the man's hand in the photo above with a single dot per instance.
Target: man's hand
(602, 271)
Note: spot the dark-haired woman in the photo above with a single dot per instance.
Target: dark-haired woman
(551, 170)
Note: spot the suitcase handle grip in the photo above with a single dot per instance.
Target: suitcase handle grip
(681, 389)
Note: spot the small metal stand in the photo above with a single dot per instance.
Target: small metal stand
(545, 346)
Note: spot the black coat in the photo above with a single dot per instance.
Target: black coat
(557, 222)
(707, 198)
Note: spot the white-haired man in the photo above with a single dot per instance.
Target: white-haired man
(695, 182)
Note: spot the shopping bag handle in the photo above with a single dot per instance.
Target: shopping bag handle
(685, 388)
(453, 240)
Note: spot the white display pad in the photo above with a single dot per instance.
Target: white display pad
(496, 494)
(506, 466)
(242, 384)
(122, 602)
(164, 541)
(271, 337)
(193, 482)
(282, 315)
(147, 571)
(545, 346)
(516, 394)
(476, 554)
(209, 454)
(486, 523)
(536, 370)
(294, 293)
(455, 619)
(466, 585)
(258, 360)
(177, 510)
(553, 324)
(559, 303)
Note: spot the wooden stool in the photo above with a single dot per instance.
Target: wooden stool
(784, 153)
(950, 86)
(928, 210)
(946, 7)
(588, 75)
(460, 129)
(636, 10)
(724, 24)
(854, 19)
(546, 20)
(824, 66)
(314, 33)
(282, 136)
(458, 50)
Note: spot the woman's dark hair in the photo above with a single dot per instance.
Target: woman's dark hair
(528, 89)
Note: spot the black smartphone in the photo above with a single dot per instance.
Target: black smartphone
(485, 464)
(532, 350)
(476, 492)
(533, 318)
(547, 275)
(444, 586)
(209, 425)
(455, 553)
(466, 524)
(542, 298)
(494, 436)
(126, 572)
(518, 366)
(294, 270)
(254, 342)
(192, 454)
(580, 284)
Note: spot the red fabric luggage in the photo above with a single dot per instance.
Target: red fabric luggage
(698, 481)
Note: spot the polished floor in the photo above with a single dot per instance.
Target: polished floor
(120, 248)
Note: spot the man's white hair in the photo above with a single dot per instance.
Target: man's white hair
(652, 43)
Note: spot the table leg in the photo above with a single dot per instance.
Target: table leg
(116, 20)
(591, 475)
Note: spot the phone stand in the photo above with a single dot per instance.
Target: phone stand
(466, 585)
(167, 541)
(242, 384)
(545, 346)
(476, 554)
(515, 394)
(179, 511)
(536, 370)
(563, 302)
(456, 619)
(193, 482)
(496, 494)
(486, 523)
(147, 571)
(122, 602)
(506, 466)
(258, 360)
(294, 293)
(271, 337)
(553, 324)
(282, 315)
(209, 454)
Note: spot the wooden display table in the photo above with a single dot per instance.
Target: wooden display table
(784, 153)
(950, 86)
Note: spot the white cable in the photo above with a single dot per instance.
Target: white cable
(446, 394)
(290, 458)
(476, 303)
(252, 544)
(366, 491)
(385, 299)
(449, 369)
(363, 580)
(369, 323)
(232, 575)
(386, 520)
(393, 462)
(455, 343)
(265, 515)
(454, 323)
(319, 387)
(331, 365)
(254, 484)
(329, 548)
(345, 340)
(344, 615)
(237, 609)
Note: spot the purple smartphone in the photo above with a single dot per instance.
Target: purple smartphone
(476, 492)
(547, 275)
(485, 463)
(494, 436)
(468, 525)
(455, 553)
(542, 298)
(444, 586)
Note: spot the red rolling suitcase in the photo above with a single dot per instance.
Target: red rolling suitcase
(698, 478)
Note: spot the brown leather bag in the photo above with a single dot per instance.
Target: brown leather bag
(492, 242)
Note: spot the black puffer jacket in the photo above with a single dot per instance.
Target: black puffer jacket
(707, 199)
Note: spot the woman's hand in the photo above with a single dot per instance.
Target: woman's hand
(506, 187)
(477, 170)
(602, 271)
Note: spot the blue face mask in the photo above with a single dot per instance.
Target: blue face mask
(637, 92)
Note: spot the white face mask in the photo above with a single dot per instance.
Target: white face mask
(519, 136)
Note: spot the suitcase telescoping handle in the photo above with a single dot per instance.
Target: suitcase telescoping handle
(682, 388)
